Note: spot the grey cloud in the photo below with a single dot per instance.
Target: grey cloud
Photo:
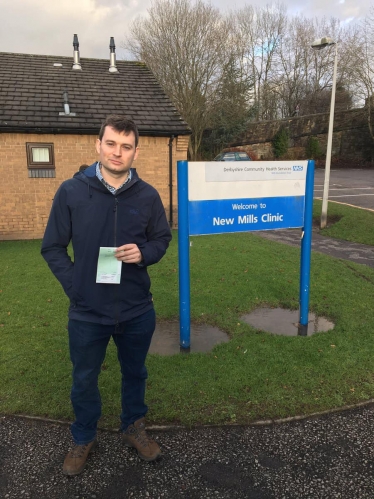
(52, 33)
(28, 28)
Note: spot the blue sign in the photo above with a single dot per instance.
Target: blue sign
(243, 215)
(269, 195)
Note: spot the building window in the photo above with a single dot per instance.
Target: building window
(40, 155)
(40, 160)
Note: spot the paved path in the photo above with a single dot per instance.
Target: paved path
(325, 457)
(358, 253)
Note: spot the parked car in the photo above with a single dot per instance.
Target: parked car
(232, 156)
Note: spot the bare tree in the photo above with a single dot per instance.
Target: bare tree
(260, 54)
(361, 58)
(183, 43)
(258, 33)
(292, 71)
(302, 77)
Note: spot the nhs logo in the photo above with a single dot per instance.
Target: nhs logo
(297, 168)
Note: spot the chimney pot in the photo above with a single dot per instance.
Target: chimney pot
(76, 42)
(112, 67)
(76, 63)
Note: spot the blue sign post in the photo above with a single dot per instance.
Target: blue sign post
(184, 256)
(306, 248)
(222, 197)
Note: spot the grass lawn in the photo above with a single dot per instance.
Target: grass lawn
(344, 222)
(255, 375)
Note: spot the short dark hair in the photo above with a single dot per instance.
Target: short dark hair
(120, 124)
(83, 167)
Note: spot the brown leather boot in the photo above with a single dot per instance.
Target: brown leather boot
(76, 458)
(135, 436)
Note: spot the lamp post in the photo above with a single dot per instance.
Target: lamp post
(319, 45)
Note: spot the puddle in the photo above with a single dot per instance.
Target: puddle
(285, 322)
(203, 338)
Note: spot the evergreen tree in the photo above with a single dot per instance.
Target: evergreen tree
(230, 111)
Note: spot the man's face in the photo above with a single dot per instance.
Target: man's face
(117, 151)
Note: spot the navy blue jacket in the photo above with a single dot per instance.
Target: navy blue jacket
(86, 213)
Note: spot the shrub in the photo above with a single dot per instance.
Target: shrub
(313, 148)
(280, 143)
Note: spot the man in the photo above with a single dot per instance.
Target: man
(118, 227)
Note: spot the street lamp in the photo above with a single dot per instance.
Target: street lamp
(319, 45)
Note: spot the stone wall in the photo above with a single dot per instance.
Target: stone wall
(351, 137)
(26, 202)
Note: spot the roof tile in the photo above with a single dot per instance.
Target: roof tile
(33, 89)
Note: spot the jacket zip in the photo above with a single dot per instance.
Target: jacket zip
(115, 209)
(115, 221)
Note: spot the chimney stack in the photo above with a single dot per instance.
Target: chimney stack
(76, 64)
(112, 67)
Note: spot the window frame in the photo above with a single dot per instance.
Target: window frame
(242, 156)
(229, 156)
(50, 165)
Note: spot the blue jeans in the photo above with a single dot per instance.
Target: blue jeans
(88, 342)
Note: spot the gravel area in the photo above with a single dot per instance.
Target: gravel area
(331, 456)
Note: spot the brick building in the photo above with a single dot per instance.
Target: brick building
(51, 109)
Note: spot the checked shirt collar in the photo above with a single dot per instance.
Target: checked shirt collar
(110, 188)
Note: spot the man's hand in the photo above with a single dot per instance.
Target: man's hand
(129, 253)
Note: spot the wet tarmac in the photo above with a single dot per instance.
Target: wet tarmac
(285, 322)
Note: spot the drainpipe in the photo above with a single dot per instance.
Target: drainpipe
(171, 180)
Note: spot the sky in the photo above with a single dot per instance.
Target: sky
(47, 26)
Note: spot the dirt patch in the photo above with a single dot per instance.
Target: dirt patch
(331, 220)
